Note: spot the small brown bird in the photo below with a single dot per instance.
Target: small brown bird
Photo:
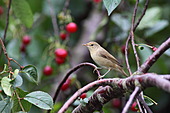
(104, 58)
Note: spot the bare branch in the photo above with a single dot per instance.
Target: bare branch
(143, 13)
(70, 72)
(117, 88)
(131, 98)
(7, 20)
(144, 104)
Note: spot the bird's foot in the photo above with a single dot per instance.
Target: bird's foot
(97, 68)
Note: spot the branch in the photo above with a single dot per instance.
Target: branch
(154, 57)
(7, 20)
(130, 101)
(117, 88)
(132, 39)
(70, 72)
(143, 13)
(144, 104)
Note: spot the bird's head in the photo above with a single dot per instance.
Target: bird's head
(92, 46)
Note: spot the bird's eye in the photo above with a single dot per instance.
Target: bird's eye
(91, 44)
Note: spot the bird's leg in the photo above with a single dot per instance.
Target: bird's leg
(105, 73)
(97, 68)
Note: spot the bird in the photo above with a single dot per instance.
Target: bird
(103, 58)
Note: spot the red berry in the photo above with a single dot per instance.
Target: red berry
(23, 48)
(133, 107)
(1, 10)
(83, 95)
(59, 60)
(154, 48)
(64, 86)
(26, 39)
(62, 53)
(116, 103)
(71, 27)
(97, 1)
(63, 36)
(48, 70)
(68, 81)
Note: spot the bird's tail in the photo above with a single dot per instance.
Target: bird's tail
(122, 71)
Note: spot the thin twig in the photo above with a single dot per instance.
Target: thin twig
(54, 19)
(70, 72)
(132, 33)
(126, 55)
(7, 20)
(144, 104)
(134, 50)
(143, 13)
(130, 101)
(66, 6)
(19, 101)
(129, 37)
(139, 105)
(5, 53)
(8, 58)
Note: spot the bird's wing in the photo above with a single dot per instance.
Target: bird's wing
(108, 56)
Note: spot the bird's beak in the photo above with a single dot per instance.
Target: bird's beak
(84, 44)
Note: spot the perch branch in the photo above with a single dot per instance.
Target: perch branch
(117, 88)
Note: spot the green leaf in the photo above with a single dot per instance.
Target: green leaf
(16, 72)
(4, 70)
(5, 106)
(121, 21)
(25, 104)
(151, 17)
(56, 107)
(6, 86)
(159, 25)
(23, 11)
(31, 71)
(40, 99)
(17, 81)
(111, 5)
(13, 49)
(149, 101)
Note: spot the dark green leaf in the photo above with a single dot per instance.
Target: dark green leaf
(13, 49)
(40, 99)
(6, 86)
(23, 11)
(31, 71)
(5, 106)
(25, 104)
(149, 101)
(111, 5)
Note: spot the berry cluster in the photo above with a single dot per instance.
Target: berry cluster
(25, 42)
(61, 55)
(116, 103)
(70, 28)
